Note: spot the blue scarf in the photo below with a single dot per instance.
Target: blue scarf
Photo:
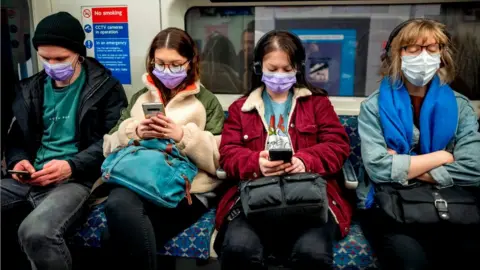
(437, 125)
(438, 117)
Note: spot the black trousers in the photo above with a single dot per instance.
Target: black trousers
(137, 227)
(416, 246)
(245, 246)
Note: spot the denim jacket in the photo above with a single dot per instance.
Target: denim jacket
(385, 168)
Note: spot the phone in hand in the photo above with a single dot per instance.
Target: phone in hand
(21, 174)
(152, 109)
(284, 154)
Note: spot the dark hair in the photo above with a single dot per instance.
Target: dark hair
(219, 49)
(179, 40)
(293, 47)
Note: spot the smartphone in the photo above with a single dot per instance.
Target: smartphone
(23, 174)
(150, 109)
(284, 154)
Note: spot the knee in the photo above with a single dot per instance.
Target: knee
(36, 236)
(310, 256)
(402, 252)
(239, 249)
(121, 205)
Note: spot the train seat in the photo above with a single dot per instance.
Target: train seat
(352, 252)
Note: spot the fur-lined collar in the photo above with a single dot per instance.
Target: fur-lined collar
(153, 90)
(255, 101)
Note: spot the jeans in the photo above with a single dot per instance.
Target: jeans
(136, 227)
(247, 247)
(420, 246)
(37, 218)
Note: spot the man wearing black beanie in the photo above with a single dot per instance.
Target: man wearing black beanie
(54, 147)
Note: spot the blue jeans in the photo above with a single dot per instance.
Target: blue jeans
(41, 216)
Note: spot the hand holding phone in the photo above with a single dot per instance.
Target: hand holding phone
(22, 170)
(269, 167)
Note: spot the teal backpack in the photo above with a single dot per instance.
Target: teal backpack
(155, 169)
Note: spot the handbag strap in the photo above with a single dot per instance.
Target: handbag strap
(441, 205)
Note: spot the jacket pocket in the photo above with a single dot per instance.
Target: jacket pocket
(308, 134)
(252, 139)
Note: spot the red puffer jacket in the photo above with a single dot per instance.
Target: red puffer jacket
(318, 139)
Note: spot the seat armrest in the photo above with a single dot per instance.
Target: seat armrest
(351, 181)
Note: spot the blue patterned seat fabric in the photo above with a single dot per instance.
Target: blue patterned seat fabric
(352, 252)
(194, 242)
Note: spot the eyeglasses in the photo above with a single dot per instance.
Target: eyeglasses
(415, 49)
(172, 67)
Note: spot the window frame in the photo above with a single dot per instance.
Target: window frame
(342, 105)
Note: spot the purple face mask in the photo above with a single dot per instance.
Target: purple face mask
(59, 72)
(279, 82)
(169, 79)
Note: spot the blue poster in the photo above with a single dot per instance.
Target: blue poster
(112, 49)
(330, 59)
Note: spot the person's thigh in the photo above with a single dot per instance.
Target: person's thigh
(130, 240)
(60, 208)
(169, 222)
(242, 247)
(456, 249)
(314, 247)
(15, 207)
(397, 246)
(13, 194)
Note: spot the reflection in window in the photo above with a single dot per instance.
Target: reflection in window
(343, 43)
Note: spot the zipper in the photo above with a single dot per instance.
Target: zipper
(89, 95)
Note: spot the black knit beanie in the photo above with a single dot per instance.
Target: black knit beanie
(60, 29)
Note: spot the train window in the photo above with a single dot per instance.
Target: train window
(343, 43)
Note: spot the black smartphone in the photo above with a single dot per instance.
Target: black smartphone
(284, 154)
(22, 174)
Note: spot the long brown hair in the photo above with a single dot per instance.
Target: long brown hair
(293, 47)
(180, 41)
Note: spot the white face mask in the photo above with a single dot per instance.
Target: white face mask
(420, 69)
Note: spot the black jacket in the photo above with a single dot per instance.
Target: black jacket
(101, 100)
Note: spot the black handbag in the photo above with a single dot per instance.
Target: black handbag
(423, 203)
(281, 199)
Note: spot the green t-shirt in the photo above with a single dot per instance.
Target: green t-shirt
(59, 121)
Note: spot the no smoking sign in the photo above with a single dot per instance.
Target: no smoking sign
(87, 13)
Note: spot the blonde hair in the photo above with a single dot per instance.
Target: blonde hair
(410, 33)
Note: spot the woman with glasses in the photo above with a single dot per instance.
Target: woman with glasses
(192, 117)
(418, 134)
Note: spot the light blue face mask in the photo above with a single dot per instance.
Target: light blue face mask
(420, 69)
